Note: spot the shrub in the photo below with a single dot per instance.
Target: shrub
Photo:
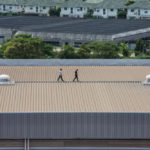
(141, 47)
(55, 12)
(122, 14)
(67, 52)
(89, 13)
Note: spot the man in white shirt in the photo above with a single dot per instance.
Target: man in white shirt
(60, 75)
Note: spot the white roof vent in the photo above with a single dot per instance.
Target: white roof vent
(5, 79)
(147, 81)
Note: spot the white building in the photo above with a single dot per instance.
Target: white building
(78, 8)
(10, 8)
(133, 13)
(78, 12)
(139, 9)
(138, 13)
(145, 13)
(40, 10)
(40, 7)
(108, 8)
(105, 13)
(74, 8)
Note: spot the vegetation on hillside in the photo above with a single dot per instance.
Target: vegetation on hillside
(25, 46)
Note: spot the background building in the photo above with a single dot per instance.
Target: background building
(61, 31)
(137, 9)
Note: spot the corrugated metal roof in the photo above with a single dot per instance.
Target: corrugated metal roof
(86, 73)
(98, 96)
(69, 29)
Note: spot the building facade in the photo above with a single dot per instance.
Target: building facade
(78, 12)
(39, 10)
(79, 8)
(75, 8)
(105, 13)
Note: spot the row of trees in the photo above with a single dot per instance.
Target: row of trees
(25, 46)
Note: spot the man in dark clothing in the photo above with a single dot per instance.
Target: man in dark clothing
(76, 75)
(60, 76)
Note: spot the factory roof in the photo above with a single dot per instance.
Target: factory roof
(101, 89)
(73, 26)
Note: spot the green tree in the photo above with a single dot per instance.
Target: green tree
(48, 51)
(55, 12)
(124, 50)
(68, 52)
(141, 47)
(84, 51)
(24, 46)
(104, 50)
(89, 13)
(1, 52)
(122, 14)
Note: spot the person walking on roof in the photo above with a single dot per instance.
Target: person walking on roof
(60, 75)
(76, 75)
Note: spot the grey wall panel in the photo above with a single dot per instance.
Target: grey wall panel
(75, 125)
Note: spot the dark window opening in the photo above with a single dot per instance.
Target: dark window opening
(104, 11)
(54, 43)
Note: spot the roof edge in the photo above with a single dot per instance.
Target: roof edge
(74, 62)
(74, 113)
